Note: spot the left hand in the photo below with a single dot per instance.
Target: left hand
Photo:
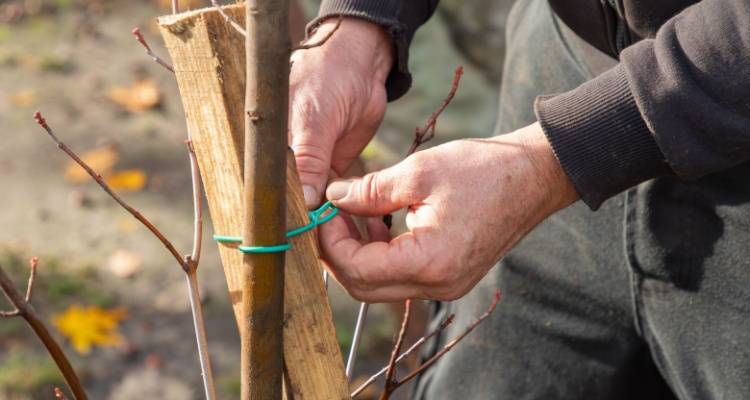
(469, 202)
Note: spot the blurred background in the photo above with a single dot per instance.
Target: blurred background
(113, 297)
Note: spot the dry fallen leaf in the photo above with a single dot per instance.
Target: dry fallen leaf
(130, 180)
(138, 97)
(86, 327)
(124, 263)
(24, 98)
(100, 160)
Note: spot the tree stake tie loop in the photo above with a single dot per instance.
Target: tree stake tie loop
(325, 213)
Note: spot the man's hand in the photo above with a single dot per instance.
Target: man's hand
(338, 99)
(469, 202)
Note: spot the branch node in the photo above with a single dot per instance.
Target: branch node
(139, 37)
(427, 132)
(253, 115)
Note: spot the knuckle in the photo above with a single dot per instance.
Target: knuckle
(368, 188)
(311, 158)
(418, 173)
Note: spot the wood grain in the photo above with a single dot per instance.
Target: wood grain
(209, 61)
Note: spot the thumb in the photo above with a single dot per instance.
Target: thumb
(312, 151)
(378, 193)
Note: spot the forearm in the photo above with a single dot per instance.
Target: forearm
(676, 104)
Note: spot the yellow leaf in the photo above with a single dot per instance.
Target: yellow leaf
(131, 180)
(100, 160)
(85, 327)
(138, 97)
(24, 98)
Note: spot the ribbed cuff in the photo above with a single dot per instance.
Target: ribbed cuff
(599, 137)
(384, 13)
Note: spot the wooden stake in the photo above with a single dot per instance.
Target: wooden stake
(209, 62)
(267, 47)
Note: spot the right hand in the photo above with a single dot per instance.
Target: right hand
(337, 99)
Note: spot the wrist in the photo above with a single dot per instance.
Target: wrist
(366, 40)
(545, 169)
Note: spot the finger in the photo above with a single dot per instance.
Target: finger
(377, 231)
(379, 193)
(366, 267)
(312, 144)
(351, 226)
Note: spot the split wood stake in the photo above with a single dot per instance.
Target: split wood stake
(267, 47)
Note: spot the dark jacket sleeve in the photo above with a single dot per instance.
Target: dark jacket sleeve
(400, 18)
(677, 104)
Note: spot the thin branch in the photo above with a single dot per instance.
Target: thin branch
(33, 264)
(137, 215)
(9, 314)
(199, 325)
(427, 364)
(405, 354)
(139, 37)
(195, 178)
(27, 312)
(426, 133)
(390, 381)
(189, 264)
(306, 46)
(239, 28)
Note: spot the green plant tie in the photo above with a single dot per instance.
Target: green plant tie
(325, 213)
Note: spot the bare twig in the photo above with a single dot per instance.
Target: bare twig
(306, 46)
(358, 330)
(139, 37)
(189, 263)
(421, 136)
(195, 178)
(33, 264)
(24, 309)
(391, 383)
(192, 260)
(199, 325)
(427, 132)
(135, 213)
(427, 364)
(239, 28)
(405, 354)
(8, 314)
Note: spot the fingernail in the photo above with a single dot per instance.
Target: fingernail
(337, 190)
(311, 196)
